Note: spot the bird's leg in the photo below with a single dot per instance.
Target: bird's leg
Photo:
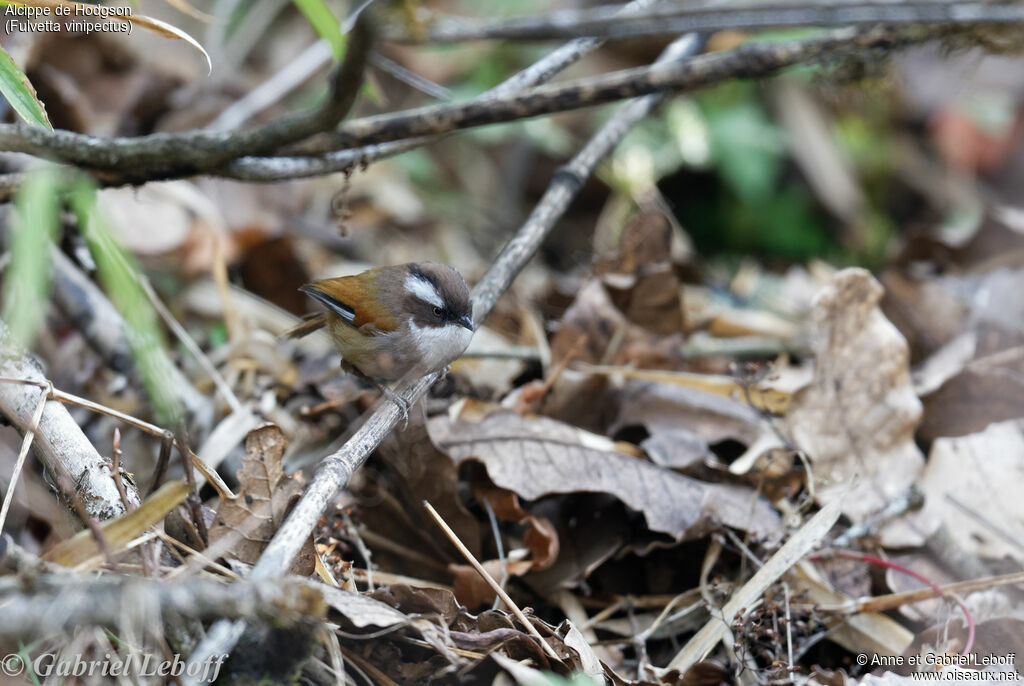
(402, 403)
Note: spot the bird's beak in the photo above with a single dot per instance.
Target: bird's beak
(467, 322)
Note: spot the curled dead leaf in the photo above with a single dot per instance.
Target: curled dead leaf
(265, 494)
(594, 330)
(856, 419)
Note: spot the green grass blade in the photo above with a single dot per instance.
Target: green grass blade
(27, 282)
(15, 87)
(323, 21)
(117, 273)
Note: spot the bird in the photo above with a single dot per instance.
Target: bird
(390, 321)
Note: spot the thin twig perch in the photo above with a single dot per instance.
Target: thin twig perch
(335, 470)
(165, 155)
(673, 18)
(541, 71)
(66, 602)
(129, 160)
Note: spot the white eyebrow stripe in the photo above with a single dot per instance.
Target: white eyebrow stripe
(423, 289)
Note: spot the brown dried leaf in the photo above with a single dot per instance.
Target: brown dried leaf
(856, 419)
(923, 311)
(539, 456)
(264, 498)
(650, 298)
(712, 417)
(591, 528)
(608, 337)
(989, 389)
(472, 590)
(540, 536)
(416, 600)
(646, 240)
(640, 277)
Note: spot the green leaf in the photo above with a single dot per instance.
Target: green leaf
(118, 274)
(28, 279)
(747, 147)
(15, 87)
(320, 17)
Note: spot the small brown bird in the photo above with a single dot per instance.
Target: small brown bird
(389, 321)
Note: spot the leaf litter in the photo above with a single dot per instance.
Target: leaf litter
(635, 439)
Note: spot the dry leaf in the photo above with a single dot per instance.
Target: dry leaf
(980, 473)
(683, 423)
(640, 277)
(594, 330)
(923, 311)
(410, 600)
(133, 213)
(540, 536)
(989, 389)
(472, 590)
(539, 456)
(856, 420)
(264, 498)
(591, 528)
(118, 532)
(945, 363)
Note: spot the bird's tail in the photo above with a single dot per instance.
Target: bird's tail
(309, 324)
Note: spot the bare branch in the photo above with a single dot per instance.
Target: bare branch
(541, 71)
(335, 470)
(59, 442)
(544, 70)
(166, 155)
(356, 142)
(412, 128)
(253, 168)
(673, 18)
(64, 602)
(751, 60)
(16, 560)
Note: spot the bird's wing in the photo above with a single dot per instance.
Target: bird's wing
(343, 297)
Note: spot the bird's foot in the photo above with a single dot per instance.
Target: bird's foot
(403, 404)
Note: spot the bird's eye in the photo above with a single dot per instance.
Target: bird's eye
(438, 312)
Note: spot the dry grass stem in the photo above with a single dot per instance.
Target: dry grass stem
(490, 581)
(26, 443)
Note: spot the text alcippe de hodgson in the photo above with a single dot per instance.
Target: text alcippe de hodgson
(40, 18)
